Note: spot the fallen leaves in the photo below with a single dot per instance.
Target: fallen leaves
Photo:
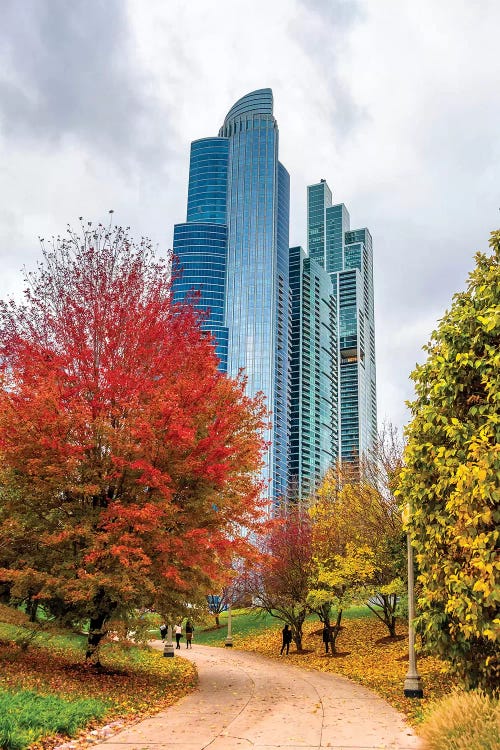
(135, 683)
(365, 655)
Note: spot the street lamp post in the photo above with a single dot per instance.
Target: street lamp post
(229, 638)
(168, 649)
(413, 686)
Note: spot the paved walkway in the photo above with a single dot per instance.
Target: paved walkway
(246, 701)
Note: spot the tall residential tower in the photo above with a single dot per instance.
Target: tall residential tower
(300, 325)
(233, 248)
(314, 374)
(348, 258)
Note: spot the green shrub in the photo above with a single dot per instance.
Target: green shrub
(25, 716)
(450, 480)
(463, 721)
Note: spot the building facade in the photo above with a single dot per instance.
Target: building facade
(233, 250)
(299, 324)
(314, 374)
(347, 256)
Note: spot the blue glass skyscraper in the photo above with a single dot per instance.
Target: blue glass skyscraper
(201, 243)
(300, 326)
(233, 250)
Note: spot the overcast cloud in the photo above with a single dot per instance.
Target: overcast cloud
(394, 103)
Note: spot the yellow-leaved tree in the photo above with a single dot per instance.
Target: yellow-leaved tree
(451, 479)
(342, 563)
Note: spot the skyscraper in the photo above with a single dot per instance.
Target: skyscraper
(201, 243)
(314, 374)
(233, 249)
(348, 258)
(300, 325)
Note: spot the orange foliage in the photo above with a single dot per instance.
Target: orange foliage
(129, 463)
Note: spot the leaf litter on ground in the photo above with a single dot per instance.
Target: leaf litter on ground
(365, 655)
(134, 683)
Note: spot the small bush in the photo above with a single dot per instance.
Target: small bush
(463, 721)
(26, 716)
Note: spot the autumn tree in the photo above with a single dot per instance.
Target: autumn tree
(235, 592)
(380, 518)
(219, 603)
(128, 462)
(280, 582)
(451, 479)
(342, 562)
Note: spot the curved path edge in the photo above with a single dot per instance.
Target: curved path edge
(244, 700)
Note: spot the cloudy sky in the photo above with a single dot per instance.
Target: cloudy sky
(395, 102)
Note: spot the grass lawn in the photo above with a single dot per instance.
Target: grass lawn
(48, 693)
(245, 622)
(25, 716)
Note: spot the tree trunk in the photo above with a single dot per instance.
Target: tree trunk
(297, 629)
(96, 634)
(297, 639)
(388, 604)
(324, 614)
(31, 609)
(392, 626)
(217, 621)
(5, 593)
(334, 632)
(103, 609)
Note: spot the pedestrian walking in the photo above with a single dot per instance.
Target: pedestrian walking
(287, 639)
(326, 637)
(178, 634)
(163, 631)
(189, 634)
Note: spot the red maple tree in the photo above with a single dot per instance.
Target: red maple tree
(280, 580)
(128, 463)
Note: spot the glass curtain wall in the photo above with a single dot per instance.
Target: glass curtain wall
(200, 244)
(258, 296)
(348, 257)
(314, 406)
(233, 251)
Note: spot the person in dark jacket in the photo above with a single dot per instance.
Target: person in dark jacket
(189, 634)
(326, 637)
(163, 631)
(287, 639)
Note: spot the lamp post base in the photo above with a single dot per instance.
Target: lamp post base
(168, 649)
(413, 687)
(229, 636)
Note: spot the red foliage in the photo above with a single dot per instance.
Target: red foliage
(128, 461)
(281, 581)
(289, 545)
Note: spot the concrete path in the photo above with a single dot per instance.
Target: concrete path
(247, 701)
